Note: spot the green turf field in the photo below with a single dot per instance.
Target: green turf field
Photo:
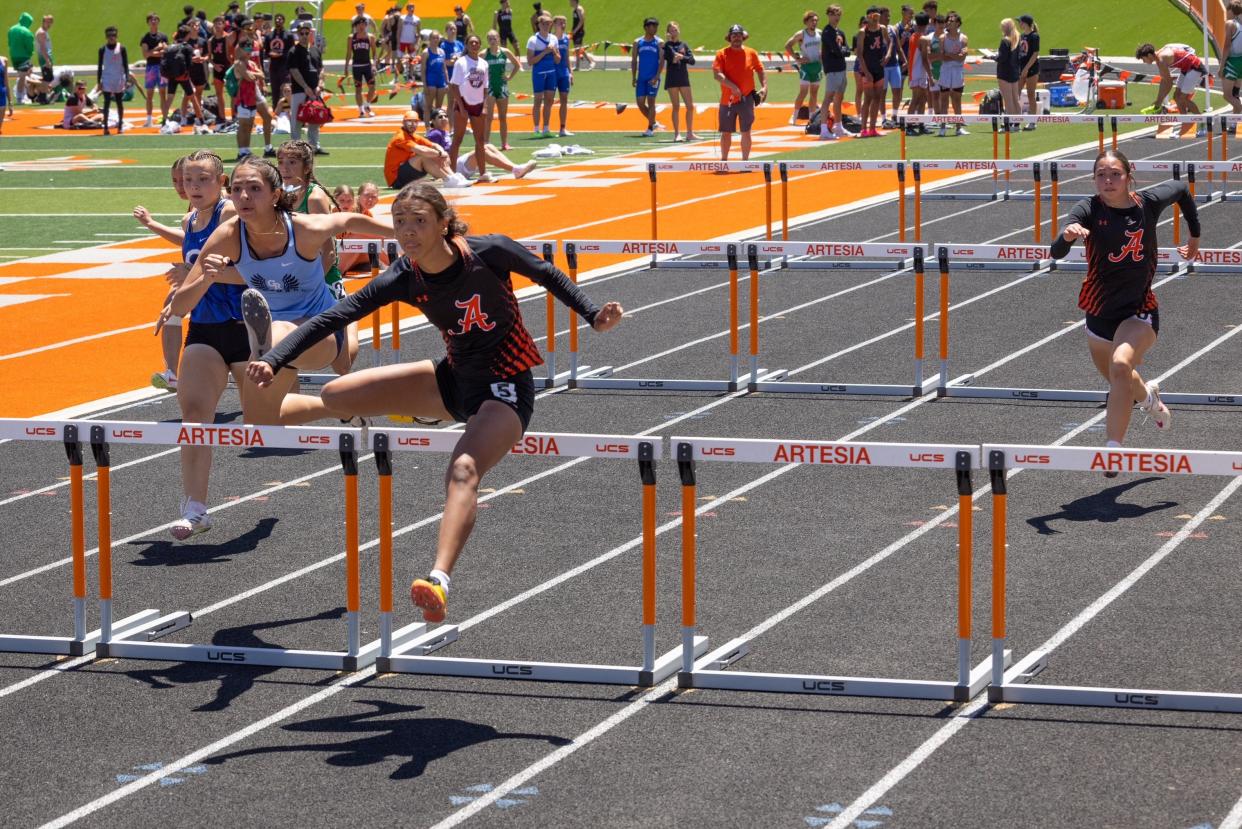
(78, 31)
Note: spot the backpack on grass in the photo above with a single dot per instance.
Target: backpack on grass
(175, 65)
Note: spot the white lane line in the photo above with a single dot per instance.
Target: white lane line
(598, 730)
(1233, 820)
(146, 326)
(963, 717)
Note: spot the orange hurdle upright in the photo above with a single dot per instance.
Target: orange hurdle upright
(943, 257)
(376, 322)
(996, 475)
(689, 499)
(396, 311)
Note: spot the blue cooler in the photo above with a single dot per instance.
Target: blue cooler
(1061, 95)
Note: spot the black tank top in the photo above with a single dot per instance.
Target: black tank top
(577, 20)
(504, 18)
(218, 46)
(361, 47)
(461, 29)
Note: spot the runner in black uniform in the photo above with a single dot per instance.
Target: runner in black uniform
(462, 284)
(1118, 226)
(503, 21)
(360, 62)
(221, 60)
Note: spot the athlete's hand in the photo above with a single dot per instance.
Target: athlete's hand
(260, 373)
(608, 316)
(1074, 232)
(142, 215)
(1190, 250)
(165, 316)
(215, 266)
(177, 274)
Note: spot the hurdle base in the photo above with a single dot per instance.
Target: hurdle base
(560, 379)
(961, 388)
(702, 264)
(1135, 698)
(707, 674)
(138, 642)
(51, 645)
(894, 390)
(402, 662)
(844, 265)
(69, 646)
(604, 381)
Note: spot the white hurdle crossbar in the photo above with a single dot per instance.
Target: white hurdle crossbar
(413, 655)
(708, 671)
(966, 256)
(1000, 458)
(583, 377)
(134, 637)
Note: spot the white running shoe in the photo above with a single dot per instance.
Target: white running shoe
(826, 134)
(165, 380)
(839, 131)
(1155, 407)
(194, 520)
(148, 123)
(258, 319)
(647, 133)
(962, 130)
(457, 180)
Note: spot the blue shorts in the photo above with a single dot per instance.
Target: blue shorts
(4, 96)
(647, 88)
(562, 84)
(153, 79)
(892, 77)
(543, 82)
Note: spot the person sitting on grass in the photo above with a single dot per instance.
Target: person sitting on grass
(80, 113)
(410, 156)
(467, 165)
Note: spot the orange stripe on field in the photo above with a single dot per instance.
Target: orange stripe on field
(692, 206)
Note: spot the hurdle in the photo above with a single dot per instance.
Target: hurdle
(1003, 457)
(654, 168)
(583, 377)
(1038, 259)
(709, 671)
(909, 257)
(413, 656)
(81, 642)
(134, 636)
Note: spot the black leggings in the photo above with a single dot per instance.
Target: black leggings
(119, 97)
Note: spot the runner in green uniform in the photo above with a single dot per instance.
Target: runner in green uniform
(499, 59)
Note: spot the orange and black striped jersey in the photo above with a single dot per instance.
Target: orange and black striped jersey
(1122, 248)
(472, 304)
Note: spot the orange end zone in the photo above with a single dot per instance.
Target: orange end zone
(112, 306)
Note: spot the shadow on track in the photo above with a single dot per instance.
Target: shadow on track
(1102, 507)
(417, 742)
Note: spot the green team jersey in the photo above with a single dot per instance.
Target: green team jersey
(497, 69)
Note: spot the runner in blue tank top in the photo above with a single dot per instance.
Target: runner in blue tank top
(216, 342)
(276, 254)
(435, 78)
(646, 66)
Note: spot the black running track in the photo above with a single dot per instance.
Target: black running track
(296, 747)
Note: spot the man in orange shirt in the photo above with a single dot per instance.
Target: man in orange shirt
(409, 156)
(735, 68)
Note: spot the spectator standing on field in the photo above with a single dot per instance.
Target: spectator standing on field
(21, 53)
(832, 49)
(1028, 57)
(646, 67)
(153, 44)
(112, 74)
(276, 48)
(306, 73)
(43, 47)
(736, 66)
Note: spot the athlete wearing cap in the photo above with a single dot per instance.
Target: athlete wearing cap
(735, 68)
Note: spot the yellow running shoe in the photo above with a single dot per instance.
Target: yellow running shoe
(429, 595)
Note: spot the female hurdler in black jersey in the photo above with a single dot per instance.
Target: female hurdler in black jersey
(1118, 228)
(463, 287)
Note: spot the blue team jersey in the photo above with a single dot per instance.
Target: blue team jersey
(221, 303)
(648, 56)
(562, 68)
(433, 73)
(538, 43)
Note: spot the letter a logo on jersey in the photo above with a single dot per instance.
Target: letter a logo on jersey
(1133, 247)
(474, 316)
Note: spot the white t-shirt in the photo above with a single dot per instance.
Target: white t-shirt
(410, 24)
(470, 78)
